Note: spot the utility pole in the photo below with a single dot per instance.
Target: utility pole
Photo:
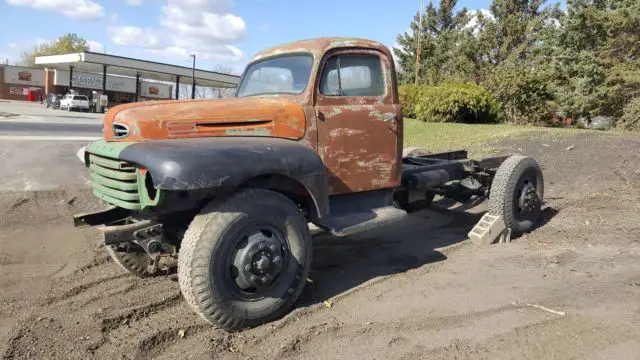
(417, 66)
(193, 77)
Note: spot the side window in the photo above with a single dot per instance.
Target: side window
(352, 75)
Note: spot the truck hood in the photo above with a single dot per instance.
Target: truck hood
(169, 119)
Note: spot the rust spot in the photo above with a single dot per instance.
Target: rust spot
(248, 132)
(344, 132)
(333, 111)
(377, 115)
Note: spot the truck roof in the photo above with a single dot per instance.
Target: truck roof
(318, 46)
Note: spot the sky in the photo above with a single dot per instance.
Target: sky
(221, 32)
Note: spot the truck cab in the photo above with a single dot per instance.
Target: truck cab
(348, 89)
(223, 190)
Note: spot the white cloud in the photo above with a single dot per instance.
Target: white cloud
(221, 53)
(474, 14)
(474, 22)
(206, 27)
(76, 9)
(113, 17)
(95, 46)
(135, 36)
(13, 50)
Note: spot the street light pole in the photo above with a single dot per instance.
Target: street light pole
(193, 77)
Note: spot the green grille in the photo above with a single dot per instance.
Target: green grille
(115, 182)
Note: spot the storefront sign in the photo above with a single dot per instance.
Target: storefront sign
(24, 76)
(155, 90)
(15, 91)
(94, 81)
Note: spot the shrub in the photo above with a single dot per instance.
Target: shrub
(522, 92)
(454, 102)
(409, 95)
(466, 103)
(630, 119)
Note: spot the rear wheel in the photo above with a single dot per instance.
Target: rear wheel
(244, 260)
(517, 193)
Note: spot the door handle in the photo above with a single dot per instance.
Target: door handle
(320, 115)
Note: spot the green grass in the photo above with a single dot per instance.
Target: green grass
(437, 137)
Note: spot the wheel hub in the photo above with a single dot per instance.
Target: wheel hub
(528, 200)
(258, 260)
(261, 262)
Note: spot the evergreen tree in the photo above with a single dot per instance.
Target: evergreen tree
(446, 51)
(597, 68)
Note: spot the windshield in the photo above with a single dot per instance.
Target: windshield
(282, 75)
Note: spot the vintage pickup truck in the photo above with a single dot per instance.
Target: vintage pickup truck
(224, 190)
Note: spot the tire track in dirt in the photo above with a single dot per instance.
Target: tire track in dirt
(152, 346)
(149, 330)
(78, 290)
(562, 338)
(111, 323)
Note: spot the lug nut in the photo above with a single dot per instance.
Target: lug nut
(273, 247)
(264, 279)
(276, 260)
(254, 278)
(247, 267)
(262, 246)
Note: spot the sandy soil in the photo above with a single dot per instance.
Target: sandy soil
(417, 290)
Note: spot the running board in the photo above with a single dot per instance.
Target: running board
(356, 222)
(490, 229)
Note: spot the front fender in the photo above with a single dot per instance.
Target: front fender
(203, 163)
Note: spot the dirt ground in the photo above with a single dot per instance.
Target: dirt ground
(417, 290)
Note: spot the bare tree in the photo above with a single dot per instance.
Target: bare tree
(223, 93)
(204, 92)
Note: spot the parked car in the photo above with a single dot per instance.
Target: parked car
(53, 101)
(78, 102)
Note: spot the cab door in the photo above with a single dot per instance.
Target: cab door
(359, 121)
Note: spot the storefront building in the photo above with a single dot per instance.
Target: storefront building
(121, 79)
(119, 89)
(16, 82)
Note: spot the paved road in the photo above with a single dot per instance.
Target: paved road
(38, 146)
(20, 128)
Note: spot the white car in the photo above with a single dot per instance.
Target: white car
(71, 102)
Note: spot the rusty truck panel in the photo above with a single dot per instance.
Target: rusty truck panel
(202, 118)
(358, 136)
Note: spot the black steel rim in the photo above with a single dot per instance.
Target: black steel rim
(255, 261)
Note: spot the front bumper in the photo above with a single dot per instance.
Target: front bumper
(117, 226)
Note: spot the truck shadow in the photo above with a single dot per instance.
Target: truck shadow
(342, 264)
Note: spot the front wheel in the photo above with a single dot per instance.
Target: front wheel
(244, 260)
(517, 192)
